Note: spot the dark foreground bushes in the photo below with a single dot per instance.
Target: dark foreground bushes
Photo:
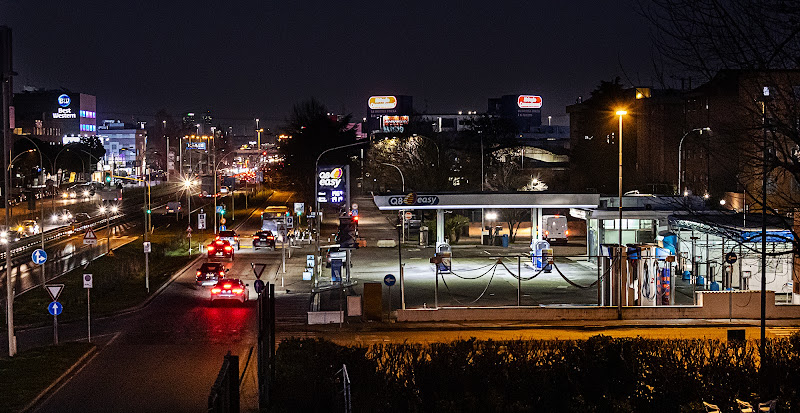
(601, 374)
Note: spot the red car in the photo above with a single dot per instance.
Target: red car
(220, 247)
(230, 289)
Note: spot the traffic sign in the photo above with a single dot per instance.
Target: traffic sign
(354, 206)
(89, 238)
(354, 212)
(201, 221)
(39, 256)
(54, 290)
(87, 280)
(299, 208)
(220, 209)
(148, 247)
(408, 215)
(259, 286)
(223, 228)
(222, 221)
(189, 228)
(389, 280)
(289, 222)
(55, 308)
(730, 257)
(258, 269)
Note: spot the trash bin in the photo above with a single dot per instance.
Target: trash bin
(423, 236)
(505, 241)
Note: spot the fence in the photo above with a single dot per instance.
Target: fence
(224, 396)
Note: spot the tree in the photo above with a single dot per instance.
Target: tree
(313, 129)
(417, 157)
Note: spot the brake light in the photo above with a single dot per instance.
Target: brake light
(255, 236)
(566, 232)
(226, 286)
(237, 290)
(215, 290)
(211, 248)
(270, 237)
(198, 273)
(227, 248)
(547, 233)
(222, 273)
(236, 238)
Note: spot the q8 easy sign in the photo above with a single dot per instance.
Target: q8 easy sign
(332, 184)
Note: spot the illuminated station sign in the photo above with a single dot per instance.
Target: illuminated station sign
(529, 102)
(332, 185)
(382, 102)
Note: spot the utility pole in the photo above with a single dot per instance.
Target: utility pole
(6, 73)
(762, 343)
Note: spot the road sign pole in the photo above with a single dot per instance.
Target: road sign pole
(88, 316)
(55, 330)
(147, 271)
(402, 288)
(436, 289)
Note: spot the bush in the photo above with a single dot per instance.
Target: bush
(601, 374)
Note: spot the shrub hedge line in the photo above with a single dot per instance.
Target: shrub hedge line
(601, 374)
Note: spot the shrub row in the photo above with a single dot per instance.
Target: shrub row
(601, 374)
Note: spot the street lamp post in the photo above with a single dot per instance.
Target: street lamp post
(680, 149)
(41, 222)
(402, 211)
(620, 113)
(106, 210)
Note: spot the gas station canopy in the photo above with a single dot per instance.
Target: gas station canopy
(486, 200)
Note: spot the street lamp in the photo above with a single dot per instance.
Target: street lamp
(680, 148)
(106, 210)
(620, 113)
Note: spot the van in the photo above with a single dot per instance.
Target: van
(555, 229)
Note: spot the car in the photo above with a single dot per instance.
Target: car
(6, 235)
(231, 237)
(220, 247)
(28, 227)
(62, 218)
(230, 289)
(209, 273)
(264, 239)
(335, 253)
(80, 217)
(173, 207)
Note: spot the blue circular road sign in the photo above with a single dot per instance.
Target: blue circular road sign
(55, 308)
(389, 280)
(259, 286)
(39, 256)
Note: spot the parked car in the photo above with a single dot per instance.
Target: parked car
(220, 247)
(209, 273)
(263, 239)
(231, 237)
(230, 289)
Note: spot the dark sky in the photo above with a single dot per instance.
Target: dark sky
(249, 58)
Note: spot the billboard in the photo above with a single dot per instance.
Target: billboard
(332, 185)
(394, 123)
(529, 102)
(382, 102)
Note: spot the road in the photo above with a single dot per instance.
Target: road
(166, 356)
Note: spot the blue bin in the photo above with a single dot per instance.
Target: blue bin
(505, 240)
(687, 275)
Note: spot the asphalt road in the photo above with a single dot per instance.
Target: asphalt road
(166, 356)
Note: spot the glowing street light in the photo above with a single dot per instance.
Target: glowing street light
(620, 113)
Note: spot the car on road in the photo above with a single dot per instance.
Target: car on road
(209, 273)
(334, 253)
(173, 207)
(264, 239)
(231, 237)
(220, 247)
(230, 289)
(81, 216)
(62, 218)
(28, 227)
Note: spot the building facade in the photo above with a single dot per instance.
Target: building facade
(54, 115)
(125, 147)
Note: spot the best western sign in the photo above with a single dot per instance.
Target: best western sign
(64, 111)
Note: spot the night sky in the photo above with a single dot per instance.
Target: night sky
(247, 58)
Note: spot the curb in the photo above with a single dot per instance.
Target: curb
(92, 351)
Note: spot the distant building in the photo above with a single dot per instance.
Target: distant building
(389, 114)
(524, 110)
(125, 146)
(55, 115)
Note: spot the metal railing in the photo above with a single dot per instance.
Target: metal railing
(224, 395)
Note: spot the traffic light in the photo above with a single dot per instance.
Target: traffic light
(107, 177)
(348, 232)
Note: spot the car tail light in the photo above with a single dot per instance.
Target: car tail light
(222, 273)
(236, 238)
(546, 233)
(255, 237)
(227, 248)
(226, 286)
(270, 237)
(211, 248)
(215, 290)
(198, 273)
(566, 232)
(237, 290)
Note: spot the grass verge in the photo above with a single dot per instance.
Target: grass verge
(118, 281)
(24, 376)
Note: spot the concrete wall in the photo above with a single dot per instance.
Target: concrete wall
(711, 305)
